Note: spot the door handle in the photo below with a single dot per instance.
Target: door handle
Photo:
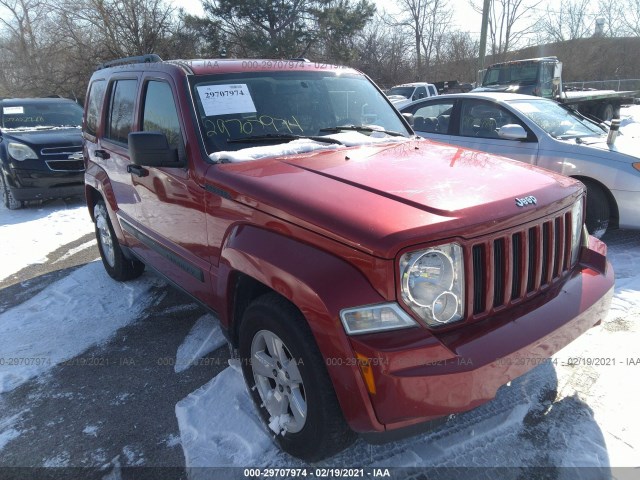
(101, 154)
(137, 170)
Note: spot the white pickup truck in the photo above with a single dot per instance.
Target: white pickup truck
(404, 94)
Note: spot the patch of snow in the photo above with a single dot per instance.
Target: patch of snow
(81, 310)
(301, 146)
(172, 441)
(40, 231)
(120, 399)
(179, 308)
(219, 426)
(60, 460)
(279, 424)
(91, 430)
(134, 457)
(7, 435)
(205, 337)
(114, 468)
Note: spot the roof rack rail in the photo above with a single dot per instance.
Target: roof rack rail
(150, 58)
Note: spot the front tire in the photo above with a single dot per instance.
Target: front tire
(288, 381)
(7, 197)
(598, 209)
(115, 263)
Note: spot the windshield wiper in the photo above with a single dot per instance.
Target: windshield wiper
(277, 137)
(361, 128)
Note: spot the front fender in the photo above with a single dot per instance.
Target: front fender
(320, 284)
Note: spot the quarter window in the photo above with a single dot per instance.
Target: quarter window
(94, 106)
(123, 100)
(160, 113)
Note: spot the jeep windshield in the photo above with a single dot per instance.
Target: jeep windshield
(237, 111)
(41, 115)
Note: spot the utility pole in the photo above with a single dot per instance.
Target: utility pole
(483, 33)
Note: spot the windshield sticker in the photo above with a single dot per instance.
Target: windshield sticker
(527, 108)
(13, 110)
(226, 99)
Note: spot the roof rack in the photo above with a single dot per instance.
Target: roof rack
(151, 58)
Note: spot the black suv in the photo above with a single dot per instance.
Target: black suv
(40, 150)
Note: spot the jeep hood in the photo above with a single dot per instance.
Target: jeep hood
(381, 198)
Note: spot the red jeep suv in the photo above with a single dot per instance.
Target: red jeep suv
(368, 280)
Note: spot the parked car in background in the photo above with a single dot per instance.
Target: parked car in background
(368, 280)
(544, 133)
(40, 150)
(401, 95)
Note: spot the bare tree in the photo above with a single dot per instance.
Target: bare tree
(613, 13)
(510, 21)
(427, 20)
(631, 18)
(567, 20)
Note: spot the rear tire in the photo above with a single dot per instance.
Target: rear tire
(7, 197)
(286, 377)
(115, 263)
(598, 209)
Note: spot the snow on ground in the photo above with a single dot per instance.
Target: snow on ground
(204, 338)
(40, 230)
(630, 121)
(65, 319)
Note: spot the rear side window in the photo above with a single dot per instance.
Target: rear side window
(121, 108)
(94, 106)
(160, 113)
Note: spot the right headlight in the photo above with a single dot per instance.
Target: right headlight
(576, 229)
(433, 283)
(20, 151)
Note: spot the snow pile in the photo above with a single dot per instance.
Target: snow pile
(73, 314)
(220, 427)
(630, 121)
(205, 337)
(303, 145)
(39, 231)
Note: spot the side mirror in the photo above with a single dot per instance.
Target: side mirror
(512, 131)
(408, 117)
(151, 149)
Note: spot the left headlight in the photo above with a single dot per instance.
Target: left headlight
(20, 152)
(433, 283)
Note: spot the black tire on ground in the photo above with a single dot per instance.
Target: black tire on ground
(605, 112)
(7, 197)
(115, 263)
(598, 210)
(279, 354)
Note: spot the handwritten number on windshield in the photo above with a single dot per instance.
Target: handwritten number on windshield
(248, 126)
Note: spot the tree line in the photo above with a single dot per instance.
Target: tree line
(51, 47)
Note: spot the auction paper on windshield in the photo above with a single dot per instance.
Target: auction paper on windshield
(225, 99)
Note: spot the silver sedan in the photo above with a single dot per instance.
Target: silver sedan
(544, 133)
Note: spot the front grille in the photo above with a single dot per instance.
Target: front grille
(509, 267)
(61, 151)
(65, 165)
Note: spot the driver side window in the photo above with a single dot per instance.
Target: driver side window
(483, 119)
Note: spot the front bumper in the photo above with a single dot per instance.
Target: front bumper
(43, 185)
(419, 378)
